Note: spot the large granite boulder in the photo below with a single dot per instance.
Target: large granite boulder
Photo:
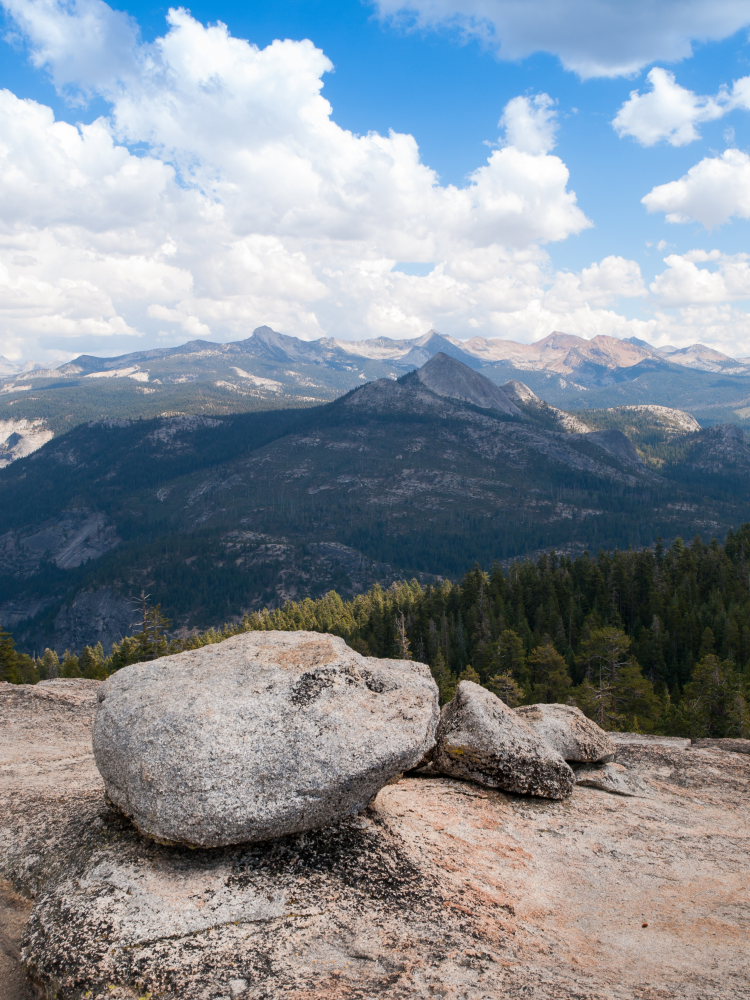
(259, 736)
(482, 740)
(574, 736)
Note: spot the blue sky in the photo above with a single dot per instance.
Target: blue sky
(484, 168)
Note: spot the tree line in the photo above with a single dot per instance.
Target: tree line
(656, 640)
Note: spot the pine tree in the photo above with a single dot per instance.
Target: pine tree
(92, 662)
(615, 690)
(507, 689)
(511, 657)
(444, 678)
(49, 665)
(713, 703)
(71, 666)
(152, 638)
(549, 676)
(9, 662)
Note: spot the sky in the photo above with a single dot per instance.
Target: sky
(365, 168)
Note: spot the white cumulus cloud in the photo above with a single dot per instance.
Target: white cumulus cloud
(84, 43)
(702, 277)
(219, 192)
(671, 113)
(712, 192)
(530, 123)
(600, 284)
(591, 37)
(668, 111)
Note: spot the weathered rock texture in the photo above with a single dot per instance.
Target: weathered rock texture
(569, 731)
(735, 746)
(439, 889)
(259, 736)
(480, 739)
(611, 777)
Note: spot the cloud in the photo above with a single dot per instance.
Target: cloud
(250, 129)
(85, 44)
(530, 123)
(670, 112)
(602, 283)
(59, 174)
(712, 192)
(591, 37)
(701, 278)
(220, 192)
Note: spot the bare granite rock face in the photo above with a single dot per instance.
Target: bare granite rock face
(566, 729)
(611, 777)
(439, 889)
(734, 746)
(259, 736)
(480, 739)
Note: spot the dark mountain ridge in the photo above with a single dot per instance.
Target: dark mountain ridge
(271, 370)
(216, 515)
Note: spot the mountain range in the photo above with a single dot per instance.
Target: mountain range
(417, 476)
(271, 370)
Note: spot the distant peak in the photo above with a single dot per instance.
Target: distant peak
(430, 337)
(637, 342)
(521, 392)
(560, 340)
(448, 377)
(266, 333)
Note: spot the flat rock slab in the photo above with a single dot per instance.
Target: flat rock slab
(648, 739)
(259, 736)
(480, 739)
(567, 730)
(439, 889)
(734, 746)
(613, 778)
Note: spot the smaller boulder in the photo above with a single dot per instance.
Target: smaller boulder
(570, 732)
(480, 739)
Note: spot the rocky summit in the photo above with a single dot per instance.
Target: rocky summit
(482, 740)
(439, 889)
(259, 736)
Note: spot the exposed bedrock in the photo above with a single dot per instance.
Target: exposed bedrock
(439, 889)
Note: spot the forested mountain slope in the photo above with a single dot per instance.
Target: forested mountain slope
(214, 516)
(655, 640)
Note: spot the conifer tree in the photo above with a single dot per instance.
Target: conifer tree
(507, 689)
(9, 666)
(49, 665)
(714, 704)
(549, 676)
